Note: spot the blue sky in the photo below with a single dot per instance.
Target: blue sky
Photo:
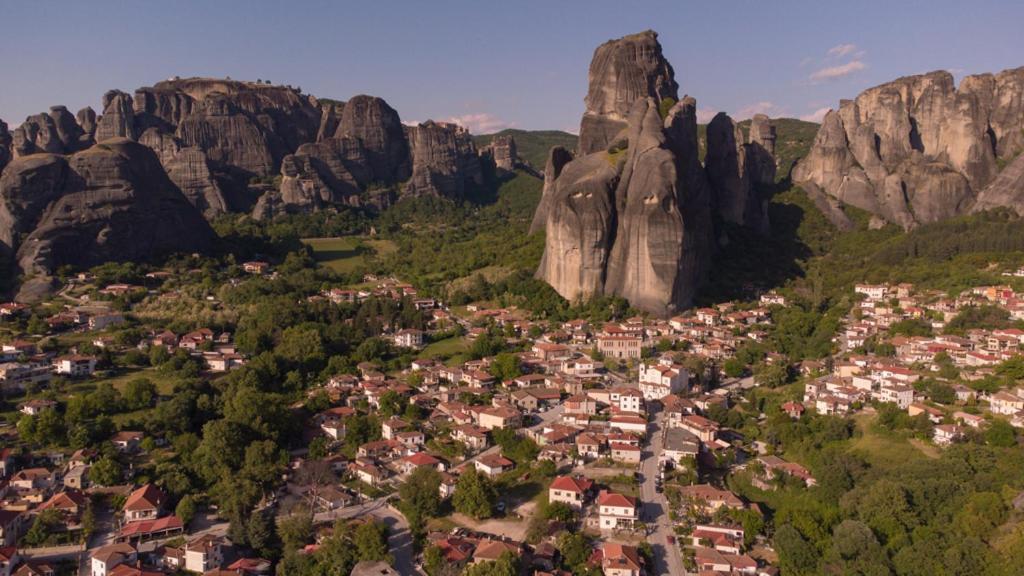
(492, 64)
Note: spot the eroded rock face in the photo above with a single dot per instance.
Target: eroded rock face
(558, 157)
(378, 127)
(737, 171)
(444, 161)
(189, 169)
(5, 145)
(918, 149)
(112, 202)
(621, 72)
(633, 220)
(118, 118)
(502, 151)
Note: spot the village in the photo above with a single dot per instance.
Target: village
(606, 440)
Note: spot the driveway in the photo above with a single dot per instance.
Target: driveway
(667, 558)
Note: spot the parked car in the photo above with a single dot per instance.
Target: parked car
(671, 539)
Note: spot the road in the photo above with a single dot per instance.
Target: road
(399, 537)
(667, 558)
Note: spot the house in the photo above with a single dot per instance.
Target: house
(588, 446)
(367, 471)
(127, 440)
(327, 498)
(77, 478)
(728, 539)
(498, 417)
(490, 550)
(547, 351)
(972, 420)
(204, 553)
(570, 490)
(1005, 403)
(256, 267)
(409, 464)
(703, 428)
(9, 558)
(617, 511)
(104, 559)
(493, 464)
(75, 365)
(145, 503)
(708, 499)
(679, 446)
(934, 415)
(794, 409)
(409, 338)
(661, 378)
(774, 465)
(946, 434)
(150, 529)
(580, 404)
(472, 436)
(103, 321)
(711, 561)
(620, 347)
(625, 453)
(628, 399)
(898, 394)
(373, 568)
(251, 566)
(621, 560)
(11, 523)
(629, 423)
(17, 377)
(37, 406)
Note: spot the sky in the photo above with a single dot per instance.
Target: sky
(492, 65)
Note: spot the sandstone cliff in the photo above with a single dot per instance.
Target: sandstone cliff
(110, 202)
(738, 171)
(631, 215)
(920, 149)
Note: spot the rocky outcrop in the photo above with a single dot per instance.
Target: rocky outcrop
(621, 72)
(118, 118)
(189, 169)
(738, 171)
(632, 217)
(558, 157)
(5, 145)
(502, 151)
(378, 127)
(111, 202)
(444, 161)
(918, 149)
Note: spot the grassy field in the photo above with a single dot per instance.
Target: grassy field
(348, 253)
(164, 382)
(886, 451)
(446, 348)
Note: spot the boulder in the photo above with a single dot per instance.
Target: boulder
(621, 72)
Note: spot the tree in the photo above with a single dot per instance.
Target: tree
(771, 375)
(139, 394)
(295, 531)
(855, 550)
(797, 556)
(1000, 433)
(506, 367)
(474, 495)
(265, 462)
(318, 448)
(371, 541)
(106, 472)
(45, 524)
(420, 497)
(575, 549)
(261, 532)
(186, 509)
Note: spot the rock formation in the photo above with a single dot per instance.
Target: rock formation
(502, 151)
(919, 149)
(738, 171)
(631, 215)
(5, 145)
(111, 202)
(558, 157)
(444, 161)
(621, 72)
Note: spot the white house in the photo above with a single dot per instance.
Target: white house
(661, 378)
(617, 511)
(108, 557)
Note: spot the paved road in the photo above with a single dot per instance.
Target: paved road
(399, 537)
(667, 558)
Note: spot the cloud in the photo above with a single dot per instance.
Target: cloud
(816, 116)
(767, 108)
(704, 115)
(837, 72)
(842, 50)
(480, 122)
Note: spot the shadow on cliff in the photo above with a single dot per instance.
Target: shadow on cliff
(748, 263)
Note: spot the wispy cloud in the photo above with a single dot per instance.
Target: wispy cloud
(839, 71)
(842, 50)
(764, 107)
(481, 122)
(704, 115)
(816, 116)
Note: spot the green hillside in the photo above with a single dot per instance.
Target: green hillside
(532, 145)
